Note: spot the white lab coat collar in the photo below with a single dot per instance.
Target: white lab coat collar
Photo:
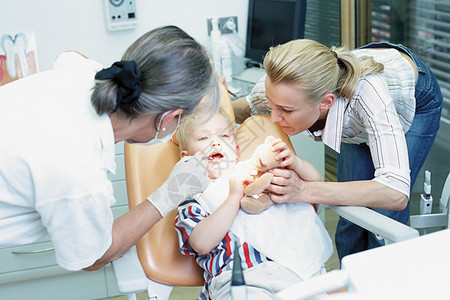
(107, 143)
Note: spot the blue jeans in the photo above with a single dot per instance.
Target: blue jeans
(355, 162)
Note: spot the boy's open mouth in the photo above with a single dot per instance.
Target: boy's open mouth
(215, 155)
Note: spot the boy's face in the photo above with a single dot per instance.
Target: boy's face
(215, 140)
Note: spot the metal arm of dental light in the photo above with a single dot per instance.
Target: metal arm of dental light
(441, 219)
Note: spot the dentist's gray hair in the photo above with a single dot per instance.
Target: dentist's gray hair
(176, 73)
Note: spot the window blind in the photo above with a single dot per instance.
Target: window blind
(424, 27)
(323, 21)
(429, 33)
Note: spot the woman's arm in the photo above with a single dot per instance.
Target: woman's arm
(131, 226)
(255, 103)
(306, 170)
(241, 109)
(127, 230)
(288, 159)
(368, 193)
(287, 186)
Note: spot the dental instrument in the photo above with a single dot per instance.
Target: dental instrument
(426, 200)
(238, 288)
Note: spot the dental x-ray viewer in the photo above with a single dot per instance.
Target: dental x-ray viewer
(58, 130)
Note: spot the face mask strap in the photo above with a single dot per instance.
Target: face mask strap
(160, 122)
(156, 140)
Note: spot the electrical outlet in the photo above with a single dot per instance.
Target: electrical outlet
(226, 25)
(120, 14)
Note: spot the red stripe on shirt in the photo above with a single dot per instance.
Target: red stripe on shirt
(247, 255)
(185, 237)
(228, 245)
(190, 212)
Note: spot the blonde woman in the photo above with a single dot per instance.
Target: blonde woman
(378, 106)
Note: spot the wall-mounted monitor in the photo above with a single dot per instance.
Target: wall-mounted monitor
(273, 22)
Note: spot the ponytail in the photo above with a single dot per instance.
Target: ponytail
(349, 72)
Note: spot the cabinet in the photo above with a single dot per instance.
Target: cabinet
(31, 272)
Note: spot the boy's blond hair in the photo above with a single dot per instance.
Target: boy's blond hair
(184, 131)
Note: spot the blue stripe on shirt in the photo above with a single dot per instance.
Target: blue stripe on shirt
(190, 213)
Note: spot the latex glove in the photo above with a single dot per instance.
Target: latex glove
(187, 178)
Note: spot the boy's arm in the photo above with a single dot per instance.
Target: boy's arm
(210, 231)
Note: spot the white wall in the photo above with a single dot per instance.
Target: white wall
(61, 25)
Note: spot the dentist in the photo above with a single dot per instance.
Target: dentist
(58, 129)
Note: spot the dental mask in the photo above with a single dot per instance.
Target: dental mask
(157, 140)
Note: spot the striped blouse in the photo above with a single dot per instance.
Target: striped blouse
(219, 259)
(379, 114)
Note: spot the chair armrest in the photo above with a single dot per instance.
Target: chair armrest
(429, 220)
(130, 276)
(387, 228)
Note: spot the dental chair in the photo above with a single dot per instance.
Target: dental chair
(163, 266)
(156, 264)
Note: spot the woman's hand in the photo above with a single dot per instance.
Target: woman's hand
(188, 177)
(286, 157)
(286, 186)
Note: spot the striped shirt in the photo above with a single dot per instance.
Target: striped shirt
(219, 259)
(379, 114)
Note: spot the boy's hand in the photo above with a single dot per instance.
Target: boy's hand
(242, 173)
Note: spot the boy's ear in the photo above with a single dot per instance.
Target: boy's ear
(183, 153)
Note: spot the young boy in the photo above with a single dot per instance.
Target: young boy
(203, 223)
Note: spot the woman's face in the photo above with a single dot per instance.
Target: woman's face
(290, 107)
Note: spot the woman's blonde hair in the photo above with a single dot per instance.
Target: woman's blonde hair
(317, 69)
(202, 114)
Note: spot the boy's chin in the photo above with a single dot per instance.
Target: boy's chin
(218, 170)
(213, 175)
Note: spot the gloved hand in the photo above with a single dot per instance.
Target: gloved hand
(187, 178)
